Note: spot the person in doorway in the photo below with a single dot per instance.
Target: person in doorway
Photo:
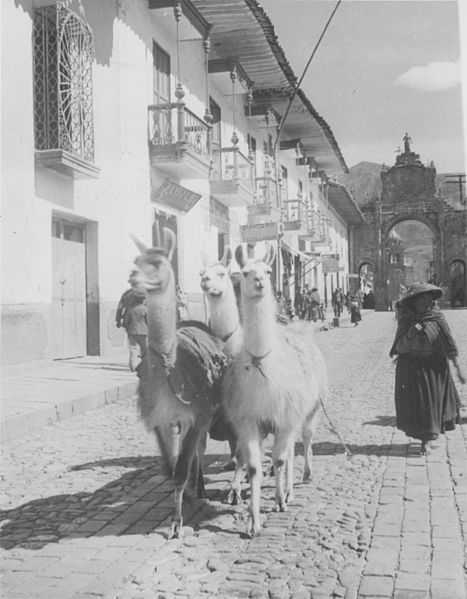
(298, 303)
(132, 316)
(182, 307)
(426, 400)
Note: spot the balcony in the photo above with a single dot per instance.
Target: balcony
(267, 206)
(295, 216)
(178, 141)
(232, 178)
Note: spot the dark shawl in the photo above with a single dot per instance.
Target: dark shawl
(434, 325)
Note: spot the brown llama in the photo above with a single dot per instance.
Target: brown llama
(179, 377)
(276, 382)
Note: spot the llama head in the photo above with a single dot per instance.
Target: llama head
(155, 272)
(215, 280)
(256, 274)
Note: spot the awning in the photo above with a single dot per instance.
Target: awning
(341, 200)
(288, 248)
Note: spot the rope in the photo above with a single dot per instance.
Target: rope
(347, 451)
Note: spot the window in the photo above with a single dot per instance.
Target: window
(63, 57)
(161, 75)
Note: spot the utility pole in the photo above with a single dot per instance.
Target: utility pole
(460, 178)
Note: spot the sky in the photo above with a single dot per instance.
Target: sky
(383, 68)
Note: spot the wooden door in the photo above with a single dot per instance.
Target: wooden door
(68, 328)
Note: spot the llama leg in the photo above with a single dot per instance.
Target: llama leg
(182, 470)
(307, 436)
(235, 496)
(280, 456)
(251, 454)
(289, 473)
(168, 445)
(307, 452)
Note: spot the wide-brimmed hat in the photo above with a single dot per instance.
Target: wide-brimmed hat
(419, 288)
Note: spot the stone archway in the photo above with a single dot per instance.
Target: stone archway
(409, 194)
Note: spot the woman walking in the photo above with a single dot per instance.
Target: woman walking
(355, 310)
(426, 399)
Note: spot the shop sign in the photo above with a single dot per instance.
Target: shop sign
(330, 263)
(173, 194)
(261, 232)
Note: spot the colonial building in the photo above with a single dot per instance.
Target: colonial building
(123, 115)
(409, 194)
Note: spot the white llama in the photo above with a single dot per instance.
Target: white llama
(224, 321)
(275, 383)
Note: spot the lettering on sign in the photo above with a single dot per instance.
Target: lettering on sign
(260, 232)
(175, 195)
(330, 263)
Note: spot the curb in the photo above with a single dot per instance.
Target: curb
(21, 424)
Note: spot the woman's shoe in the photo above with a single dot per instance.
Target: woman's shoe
(426, 448)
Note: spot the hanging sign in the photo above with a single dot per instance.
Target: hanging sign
(261, 232)
(173, 194)
(330, 263)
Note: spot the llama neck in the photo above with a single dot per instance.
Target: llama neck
(223, 314)
(259, 325)
(162, 321)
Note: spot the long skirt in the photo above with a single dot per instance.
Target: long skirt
(427, 402)
(355, 315)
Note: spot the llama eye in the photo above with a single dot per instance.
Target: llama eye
(269, 271)
(221, 275)
(245, 273)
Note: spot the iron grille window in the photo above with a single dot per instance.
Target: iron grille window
(63, 57)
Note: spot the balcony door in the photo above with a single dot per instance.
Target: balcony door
(216, 141)
(161, 75)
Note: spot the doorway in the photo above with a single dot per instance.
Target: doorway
(68, 324)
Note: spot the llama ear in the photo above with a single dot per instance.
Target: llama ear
(240, 256)
(269, 255)
(227, 257)
(170, 242)
(139, 244)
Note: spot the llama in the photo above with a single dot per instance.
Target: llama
(276, 382)
(224, 321)
(179, 378)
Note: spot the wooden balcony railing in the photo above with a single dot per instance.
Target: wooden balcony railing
(173, 123)
(230, 164)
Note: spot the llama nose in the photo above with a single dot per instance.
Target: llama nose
(259, 283)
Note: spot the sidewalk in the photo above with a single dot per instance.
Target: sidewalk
(42, 394)
(39, 394)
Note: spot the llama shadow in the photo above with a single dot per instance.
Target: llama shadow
(137, 502)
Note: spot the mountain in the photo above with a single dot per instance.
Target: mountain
(364, 182)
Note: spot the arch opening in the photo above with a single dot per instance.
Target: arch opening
(410, 257)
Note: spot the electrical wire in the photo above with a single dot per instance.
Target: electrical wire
(297, 87)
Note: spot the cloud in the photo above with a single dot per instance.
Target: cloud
(434, 77)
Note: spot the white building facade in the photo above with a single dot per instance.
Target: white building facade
(120, 117)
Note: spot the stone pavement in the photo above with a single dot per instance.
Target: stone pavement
(86, 504)
(39, 394)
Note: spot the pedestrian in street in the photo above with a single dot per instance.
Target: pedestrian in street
(298, 303)
(315, 303)
(336, 302)
(355, 310)
(426, 400)
(132, 316)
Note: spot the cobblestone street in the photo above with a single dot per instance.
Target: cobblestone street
(86, 505)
